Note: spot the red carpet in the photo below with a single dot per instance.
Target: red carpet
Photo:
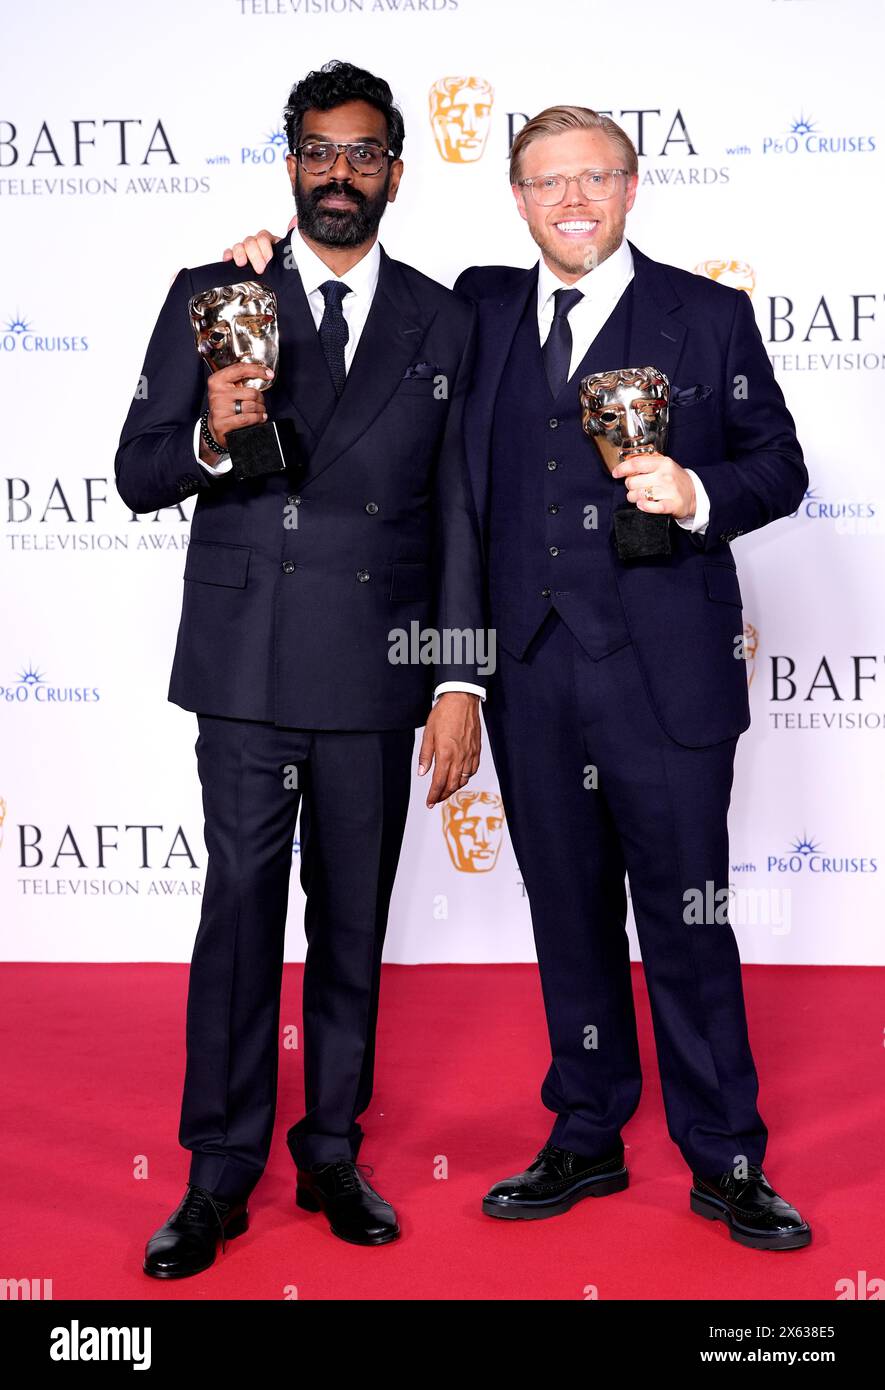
(94, 1063)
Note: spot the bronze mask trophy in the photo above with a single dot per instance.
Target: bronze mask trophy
(626, 412)
(239, 323)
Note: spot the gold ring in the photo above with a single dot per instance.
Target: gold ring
(649, 494)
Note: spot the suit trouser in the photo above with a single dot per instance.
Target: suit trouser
(659, 813)
(353, 791)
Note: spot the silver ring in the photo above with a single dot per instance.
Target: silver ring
(238, 407)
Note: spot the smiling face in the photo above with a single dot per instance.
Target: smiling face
(577, 234)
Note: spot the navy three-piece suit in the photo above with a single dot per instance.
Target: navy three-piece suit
(620, 693)
(282, 651)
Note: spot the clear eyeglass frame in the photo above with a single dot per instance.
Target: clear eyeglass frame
(550, 189)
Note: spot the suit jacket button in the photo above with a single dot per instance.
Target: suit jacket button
(545, 593)
(554, 550)
(372, 508)
(288, 567)
(363, 576)
(294, 501)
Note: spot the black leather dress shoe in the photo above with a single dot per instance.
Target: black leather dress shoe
(752, 1210)
(355, 1211)
(554, 1182)
(188, 1242)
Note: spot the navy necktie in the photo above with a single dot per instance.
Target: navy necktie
(333, 330)
(557, 351)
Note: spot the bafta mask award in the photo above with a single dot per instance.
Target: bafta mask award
(625, 413)
(238, 323)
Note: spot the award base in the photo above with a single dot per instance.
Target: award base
(640, 535)
(256, 450)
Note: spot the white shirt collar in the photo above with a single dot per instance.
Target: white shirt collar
(361, 279)
(608, 277)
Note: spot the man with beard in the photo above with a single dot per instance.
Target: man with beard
(294, 583)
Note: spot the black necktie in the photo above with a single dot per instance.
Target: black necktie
(557, 351)
(333, 330)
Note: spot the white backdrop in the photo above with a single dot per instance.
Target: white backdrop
(760, 133)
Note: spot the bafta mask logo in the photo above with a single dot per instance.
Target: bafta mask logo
(751, 646)
(626, 412)
(460, 117)
(473, 826)
(738, 274)
(237, 323)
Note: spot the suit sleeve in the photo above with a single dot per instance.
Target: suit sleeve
(763, 475)
(155, 465)
(460, 606)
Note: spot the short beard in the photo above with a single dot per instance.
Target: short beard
(581, 258)
(340, 226)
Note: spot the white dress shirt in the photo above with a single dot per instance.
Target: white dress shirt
(602, 288)
(361, 280)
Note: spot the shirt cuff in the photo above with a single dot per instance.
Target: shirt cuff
(698, 523)
(464, 686)
(223, 465)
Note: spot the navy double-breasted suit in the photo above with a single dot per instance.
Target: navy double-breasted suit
(294, 585)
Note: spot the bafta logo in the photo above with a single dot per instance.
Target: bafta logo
(237, 323)
(473, 827)
(751, 646)
(738, 274)
(460, 116)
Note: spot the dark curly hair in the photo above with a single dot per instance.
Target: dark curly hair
(333, 85)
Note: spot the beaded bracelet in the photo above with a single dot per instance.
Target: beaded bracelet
(207, 438)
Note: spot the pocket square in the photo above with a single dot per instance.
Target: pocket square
(689, 395)
(420, 371)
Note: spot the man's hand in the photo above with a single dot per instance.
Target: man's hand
(255, 250)
(671, 487)
(225, 389)
(452, 738)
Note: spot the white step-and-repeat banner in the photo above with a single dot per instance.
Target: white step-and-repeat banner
(135, 139)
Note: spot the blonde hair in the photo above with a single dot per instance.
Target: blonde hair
(555, 120)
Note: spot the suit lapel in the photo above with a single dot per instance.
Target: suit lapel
(304, 383)
(657, 335)
(498, 320)
(390, 340)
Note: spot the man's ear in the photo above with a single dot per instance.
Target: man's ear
(292, 168)
(632, 185)
(519, 195)
(396, 173)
